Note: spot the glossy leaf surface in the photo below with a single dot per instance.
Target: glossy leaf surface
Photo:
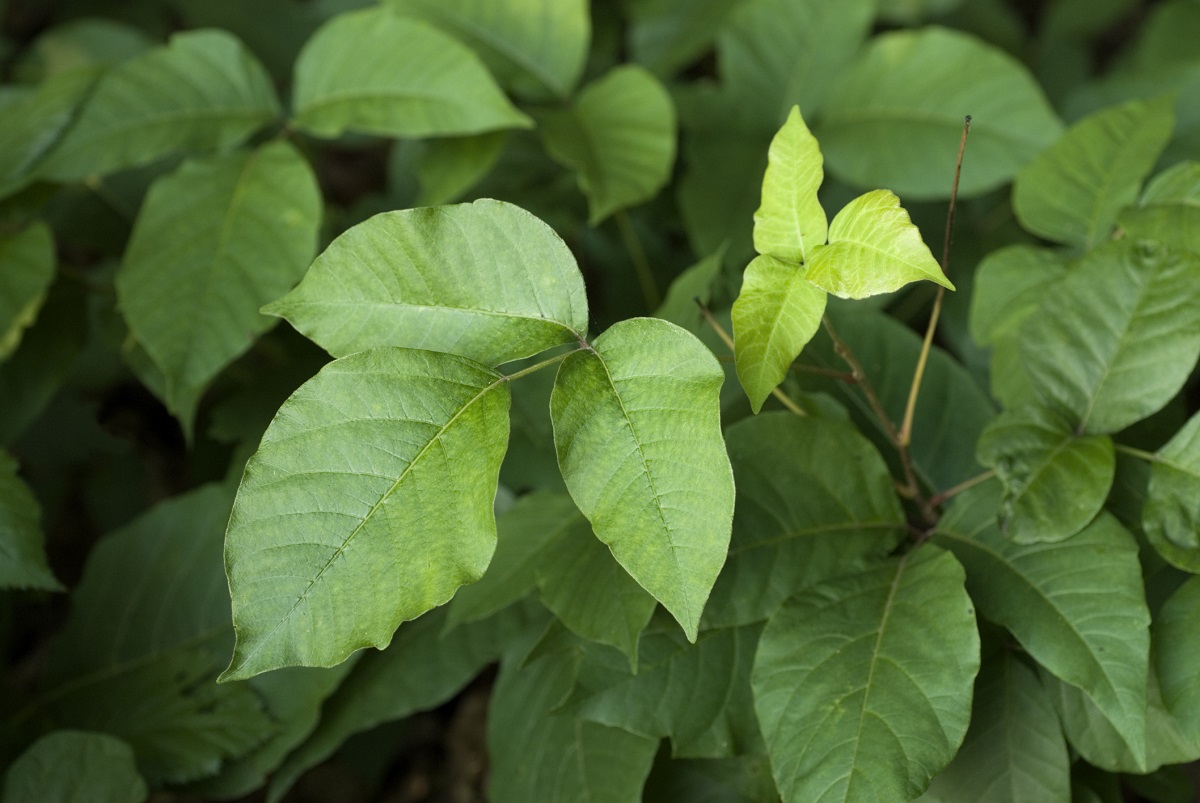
(368, 503)
(487, 281)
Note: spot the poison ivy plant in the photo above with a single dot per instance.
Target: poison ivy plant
(617, 402)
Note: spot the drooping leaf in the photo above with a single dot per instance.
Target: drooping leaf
(637, 430)
(192, 302)
(873, 248)
(537, 754)
(776, 313)
(376, 72)
(1118, 337)
(22, 552)
(1169, 210)
(536, 48)
(27, 264)
(32, 125)
(1009, 285)
(679, 307)
(487, 281)
(863, 684)
(1071, 193)
(1076, 606)
(815, 500)
(790, 225)
(450, 166)
(698, 695)
(147, 635)
(1014, 749)
(368, 503)
(1055, 480)
(1176, 645)
(70, 765)
(1172, 511)
(895, 118)
(202, 91)
(619, 137)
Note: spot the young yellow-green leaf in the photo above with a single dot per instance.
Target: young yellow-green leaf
(1055, 480)
(791, 224)
(1071, 193)
(1076, 606)
(863, 684)
(1118, 337)
(638, 434)
(775, 315)
(619, 137)
(27, 263)
(1171, 511)
(1176, 634)
(251, 220)
(1169, 209)
(486, 280)
(22, 553)
(873, 248)
(536, 48)
(202, 91)
(368, 503)
(814, 499)
(70, 765)
(1009, 285)
(376, 72)
(896, 116)
(31, 125)
(1014, 749)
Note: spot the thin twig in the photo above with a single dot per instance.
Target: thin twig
(728, 341)
(640, 263)
(841, 376)
(843, 350)
(939, 499)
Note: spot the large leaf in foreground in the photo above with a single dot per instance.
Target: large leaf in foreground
(815, 500)
(638, 434)
(27, 263)
(1076, 606)
(863, 684)
(790, 224)
(192, 302)
(202, 91)
(776, 313)
(376, 72)
(75, 766)
(368, 502)
(1118, 337)
(1072, 191)
(619, 137)
(22, 553)
(487, 281)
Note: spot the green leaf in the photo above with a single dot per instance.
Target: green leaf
(23, 553)
(638, 435)
(745, 779)
(790, 225)
(698, 694)
(1010, 283)
(32, 125)
(487, 281)
(1118, 337)
(775, 315)
(668, 35)
(451, 166)
(539, 755)
(896, 117)
(27, 263)
(863, 684)
(873, 248)
(1071, 193)
(148, 632)
(1177, 645)
(1169, 210)
(1055, 480)
(619, 137)
(376, 72)
(74, 765)
(1170, 512)
(815, 500)
(202, 91)
(1076, 606)
(385, 453)
(679, 307)
(420, 670)
(192, 301)
(1014, 749)
(536, 48)
(81, 42)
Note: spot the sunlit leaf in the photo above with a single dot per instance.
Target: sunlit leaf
(368, 503)
(790, 224)
(637, 430)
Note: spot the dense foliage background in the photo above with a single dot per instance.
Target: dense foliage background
(170, 167)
